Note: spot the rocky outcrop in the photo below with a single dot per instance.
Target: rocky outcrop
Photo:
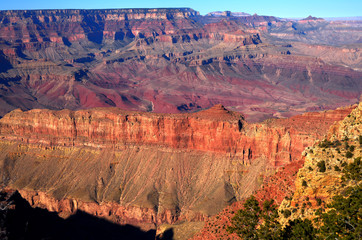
(310, 19)
(322, 176)
(300, 187)
(350, 127)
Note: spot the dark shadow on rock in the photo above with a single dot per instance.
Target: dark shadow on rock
(25, 222)
(4, 63)
(96, 37)
(166, 235)
(66, 42)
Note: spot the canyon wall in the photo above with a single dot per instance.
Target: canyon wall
(151, 168)
(171, 61)
(146, 168)
(55, 25)
(32, 30)
(215, 130)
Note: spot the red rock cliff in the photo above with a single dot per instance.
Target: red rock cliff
(215, 130)
(147, 168)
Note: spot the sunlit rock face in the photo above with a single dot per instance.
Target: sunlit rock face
(317, 183)
(146, 168)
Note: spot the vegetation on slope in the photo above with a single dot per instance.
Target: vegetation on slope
(341, 219)
(327, 198)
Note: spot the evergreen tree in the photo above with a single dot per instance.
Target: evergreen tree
(270, 227)
(344, 220)
(246, 220)
(299, 230)
(254, 222)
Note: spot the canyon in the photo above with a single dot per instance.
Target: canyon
(164, 119)
(175, 60)
(148, 169)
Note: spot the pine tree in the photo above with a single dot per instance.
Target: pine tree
(246, 220)
(253, 222)
(344, 220)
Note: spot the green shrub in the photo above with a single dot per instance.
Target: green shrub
(353, 171)
(255, 222)
(349, 154)
(287, 213)
(343, 221)
(321, 166)
(318, 212)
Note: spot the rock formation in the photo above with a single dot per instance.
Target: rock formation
(144, 168)
(320, 179)
(173, 60)
(286, 187)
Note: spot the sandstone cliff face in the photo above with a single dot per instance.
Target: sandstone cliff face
(144, 168)
(113, 127)
(68, 26)
(215, 130)
(80, 24)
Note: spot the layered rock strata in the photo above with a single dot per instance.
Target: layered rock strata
(173, 60)
(144, 168)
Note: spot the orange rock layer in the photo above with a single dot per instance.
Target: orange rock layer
(145, 168)
(215, 130)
